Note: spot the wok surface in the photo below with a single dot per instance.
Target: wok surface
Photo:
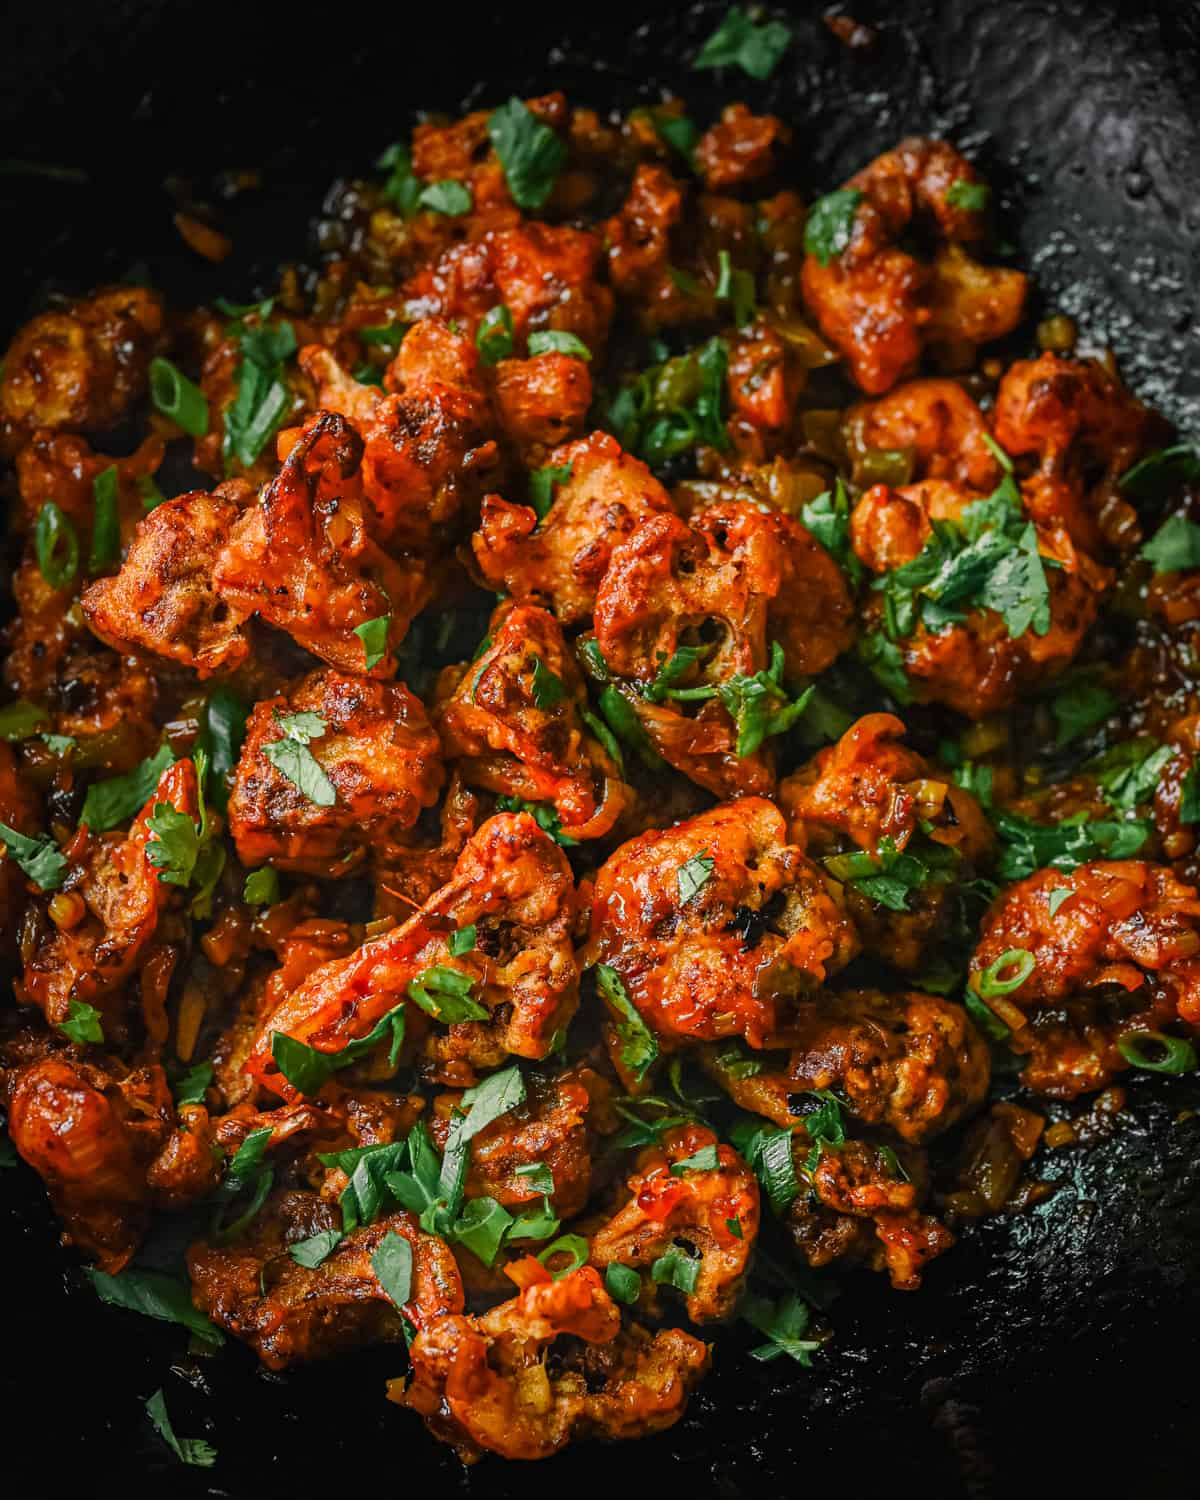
(1047, 1351)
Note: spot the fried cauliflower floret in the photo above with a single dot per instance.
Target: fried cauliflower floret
(497, 1383)
(736, 956)
(871, 792)
(541, 402)
(696, 1206)
(742, 578)
(426, 442)
(162, 602)
(303, 557)
(544, 274)
(511, 720)
(90, 1130)
(562, 559)
(378, 753)
(513, 884)
(291, 1314)
(939, 423)
(878, 304)
(1085, 429)
(976, 667)
(741, 148)
(553, 1126)
(861, 1212)
(123, 896)
(910, 1062)
(638, 241)
(870, 786)
(1115, 957)
(80, 368)
(764, 381)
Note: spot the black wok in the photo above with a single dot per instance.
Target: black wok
(1047, 1352)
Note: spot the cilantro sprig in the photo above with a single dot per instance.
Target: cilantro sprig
(986, 559)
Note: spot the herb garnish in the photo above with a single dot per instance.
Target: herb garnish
(263, 397)
(737, 41)
(38, 857)
(830, 224)
(292, 758)
(639, 1047)
(194, 1451)
(530, 153)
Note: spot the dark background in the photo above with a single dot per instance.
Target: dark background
(1047, 1352)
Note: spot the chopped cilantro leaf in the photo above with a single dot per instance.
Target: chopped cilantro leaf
(116, 800)
(704, 1160)
(316, 1249)
(1129, 772)
(547, 689)
(1078, 706)
(392, 1262)
(194, 1084)
(445, 994)
(972, 197)
(693, 875)
(157, 1296)
(542, 814)
(783, 1324)
(639, 1048)
(1026, 846)
(39, 857)
(263, 398)
(1174, 546)
(830, 224)
(447, 197)
(462, 940)
(738, 42)
(194, 1451)
(1056, 897)
(494, 335)
(261, 887)
(308, 1069)
(530, 153)
(292, 758)
(557, 341)
(828, 519)
(82, 1024)
(374, 636)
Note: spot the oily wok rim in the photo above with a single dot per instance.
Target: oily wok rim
(914, 1389)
